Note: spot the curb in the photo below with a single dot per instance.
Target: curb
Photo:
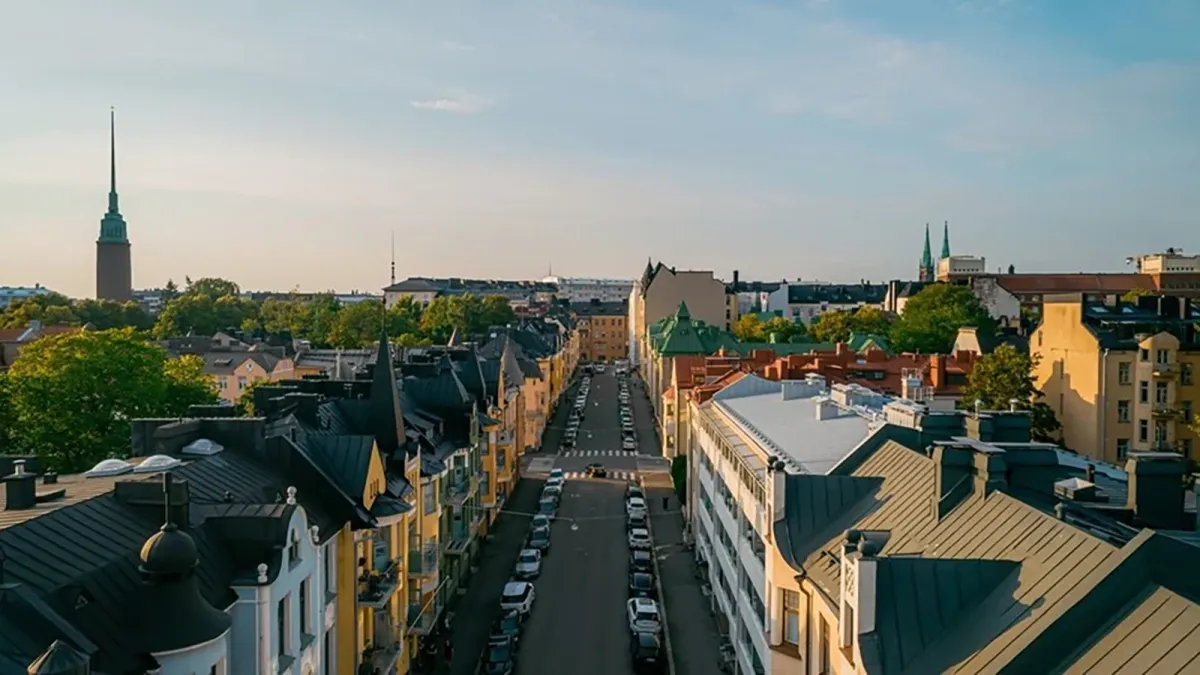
(658, 587)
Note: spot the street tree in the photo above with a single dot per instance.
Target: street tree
(212, 287)
(1133, 294)
(784, 329)
(404, 316)
(837, 326)
(496, 310)
(749, 328)
(931, 319)
(358, 324)
(73, 395)
(109, 314)
(1004, 378)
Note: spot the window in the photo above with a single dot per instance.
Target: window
(1122, 449)
(1185, 447)
(330, 580)
(1185, 407)
(1143, 430)
(224, 383)
(1162, 356)
(327, 652)
(294, 549)
(1143, 355)
(283, 625)
(305, 619)
(241, 382)
(1143, 392)
(1123, 372)
(791, 617)
(1160, 393)
(430, 499)
(1185, 373)
(823, 649)
(1122, 411)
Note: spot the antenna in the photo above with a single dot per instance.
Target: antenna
(167, 481)
(393, 257)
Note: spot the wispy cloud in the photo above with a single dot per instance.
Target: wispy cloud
(453, 46)
(465, 104)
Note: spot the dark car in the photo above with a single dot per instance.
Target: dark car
(596, 470)
(539, 539)
(500, 657)
(636, 520)
(641, 585)
(647, 653)
(640, 561)
(508, 625)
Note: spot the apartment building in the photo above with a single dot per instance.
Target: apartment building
(587, 289)
(603, 329)
(746, 297)
(660, 292)
(806, 302)
(11, 294)
(423, 290)
(1120, 376)
(13, 340)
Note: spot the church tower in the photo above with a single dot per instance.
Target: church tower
(925, 269)
(945, 241)
(114, 274)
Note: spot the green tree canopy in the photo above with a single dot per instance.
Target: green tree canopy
(1136, 293)
(7, 415)
(72, 395)
(1005, 378)
(749, 328)
(836, 326)
(404, 317)
(783, 328)
(200, 314)
(52, 309)
(213, 288)
(496, 310)
(931, 319)
(358, 324)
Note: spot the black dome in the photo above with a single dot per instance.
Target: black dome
(170, 551)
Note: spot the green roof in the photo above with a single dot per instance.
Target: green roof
(679, 334)
(861, 342)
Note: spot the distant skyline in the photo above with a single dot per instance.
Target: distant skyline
(280, 144)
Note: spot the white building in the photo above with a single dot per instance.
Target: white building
(808, 301)
(734, 437)
(11, 294)
(586, 289)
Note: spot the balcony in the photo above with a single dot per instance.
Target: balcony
(506, 437)
(423, 562)
(386, 649)
(420, 619)
(375, 589)
(1163, 370)
(457, 493)
(1164, 411)
(462, 533)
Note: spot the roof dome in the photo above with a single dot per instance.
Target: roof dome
(169, 552)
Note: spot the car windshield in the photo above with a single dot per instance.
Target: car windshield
(518, 596)
(499, 654)
(529, 557)
(547, 507)
(641, 581)
(646, 615)
(509, 624)
(540, 534)
(540, 521)
(637, 503)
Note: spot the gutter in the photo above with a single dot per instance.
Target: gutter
(658, 587)
(1103, 403)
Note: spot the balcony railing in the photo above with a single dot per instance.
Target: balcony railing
(385, 649)
(1164, 410)
(458, 493)
(1163, 369)
(423, 562)
(461, 537)
(375, 589)
(506, 437)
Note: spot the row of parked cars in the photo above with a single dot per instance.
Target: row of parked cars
(578, 410)
(642, 611)
(519, 595)
(628, 429)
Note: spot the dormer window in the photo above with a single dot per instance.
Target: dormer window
(294, 548)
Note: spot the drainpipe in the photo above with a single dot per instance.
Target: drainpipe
(1104, 403)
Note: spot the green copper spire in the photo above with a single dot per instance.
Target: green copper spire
(112, 225)
(946, 240)
(927, 254)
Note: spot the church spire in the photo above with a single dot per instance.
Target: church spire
(946, 240)
(112, 161)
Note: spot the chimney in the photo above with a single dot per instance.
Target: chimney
(937, 372)
(840, 350)
(952, 473)
(856, 610)
(307, 406)
(20, 488)
(1156, 489)
(735, 281)
(826, 409)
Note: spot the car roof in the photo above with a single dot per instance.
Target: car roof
(644, 603)
(542, 529)
(516, 587)
(640, 530)
(532, 551)
(642, 576)
(633, 500)
(640, 554)
(647, 639)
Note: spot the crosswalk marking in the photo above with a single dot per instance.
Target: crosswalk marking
(599, 453)
(615, 475)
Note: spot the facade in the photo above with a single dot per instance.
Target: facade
(999, 302)
(807, 302)
(603, 330)
(587, 289)
(114, 271)
(243, 575)
(746, 297)
(1121, 377)
(949, 543)
(235, 371)
(11, 294)
(423, 290)
(735, 436)
(660, 292)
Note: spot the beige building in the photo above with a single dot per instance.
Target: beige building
(1121, 377)
(603, 330)
(660, 292)
(235, 371)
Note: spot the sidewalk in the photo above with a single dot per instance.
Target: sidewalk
(692, 628)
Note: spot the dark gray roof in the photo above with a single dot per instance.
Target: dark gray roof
(226, 362)
(345, 458)
(841, 294)
(598, 308)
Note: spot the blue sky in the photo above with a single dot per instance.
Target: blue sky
(280, 143)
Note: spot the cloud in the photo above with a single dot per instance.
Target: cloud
(452, 46)
(466, 104)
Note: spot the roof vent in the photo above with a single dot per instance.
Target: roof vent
(157, 463)
(1075, 489)
(110, 467)
(202, 447)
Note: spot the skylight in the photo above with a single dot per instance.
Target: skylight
(110, 467)
(202, 447)
(157, 463)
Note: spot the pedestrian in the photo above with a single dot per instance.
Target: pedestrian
(449, 651)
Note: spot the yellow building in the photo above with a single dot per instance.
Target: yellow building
(602, 329)
(1120, 377)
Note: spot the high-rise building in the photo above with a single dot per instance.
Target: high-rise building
(114, 273)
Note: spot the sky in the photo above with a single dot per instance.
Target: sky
(281, 144)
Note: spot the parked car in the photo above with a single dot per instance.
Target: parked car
(643, 616)
(539, 520)
(635, 506)
(641, 561)
(500, 657)
(539, 540)
(529, 564)
(636, 521)
(639, 538)
(508, 624)
(555, 481)
(634, 490)
(518, 596)
(596, 470)
(548, 506)
(552, 492)
(647, 654)
(628, 443)
(557, 473)
(641, 585)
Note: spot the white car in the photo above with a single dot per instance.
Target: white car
(557, 474)
(636, 506)
(555, 482)
(639, 539)
(643, 616)
(529, 564)
(518, 596)
(628, 444)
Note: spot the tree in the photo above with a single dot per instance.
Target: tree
(1004, 378)
(245, 401)
(108, 314)
(749, 328)
(441, 318)
(358, 324)
(931, 319)
(404, 316)
(320, 315)
(200, 314)
(496, 310)
(836, 326)
(50, 309)
(73, 394)
(212, 287)
(1134, 294)
(187, 384)
(412, 340)
(7, 419)
(784, 329)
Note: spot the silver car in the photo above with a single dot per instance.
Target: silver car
(529, 564)
(639, 539)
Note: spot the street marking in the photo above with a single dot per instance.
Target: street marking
(616, 475)
(541, 465)
(599, 453)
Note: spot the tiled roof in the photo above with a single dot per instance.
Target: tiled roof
(1074, 283)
